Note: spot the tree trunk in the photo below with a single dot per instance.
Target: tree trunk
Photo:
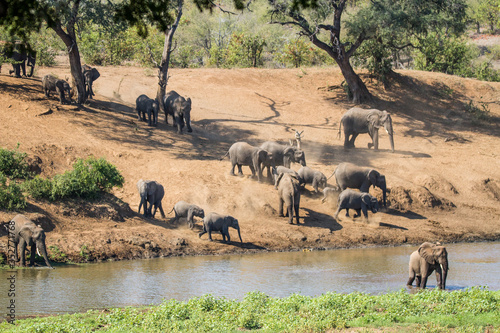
(165, 60)
(358, 91)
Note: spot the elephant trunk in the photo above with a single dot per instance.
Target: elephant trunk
(444, 274)
(384, 195)
(239, 234)
(40, 245)
(388, 128)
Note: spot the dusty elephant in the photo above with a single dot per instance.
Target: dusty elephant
(90, 74)
(27, 233)
(242, 153)
(359, 201)
(61, 87)
(289, 195)
(187, 210)
(310, 176)
(277, 171)
(424, 261)
(180, 110)
(216, 222)
(357, 121)
(150, 191)
(329, 192)
(283, 155)
(145, 105)
(349, 175)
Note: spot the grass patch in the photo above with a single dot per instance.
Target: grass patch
(471, 310)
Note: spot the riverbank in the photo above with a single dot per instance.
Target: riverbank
(474, 309)
(443, 179)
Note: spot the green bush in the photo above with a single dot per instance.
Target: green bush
(13, 164)
(11, 196)
(38, 187)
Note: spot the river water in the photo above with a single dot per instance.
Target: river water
(76, 288)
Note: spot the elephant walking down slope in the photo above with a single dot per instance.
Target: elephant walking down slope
(180, 110)
(289, 195)
(150, 191)
(242, 153)
(187, 210)
(349, 175)
(424, 261)
(358, 121)
(359, 201)
(310, 176)
(27, 233)
(217, 222)
(283, 155)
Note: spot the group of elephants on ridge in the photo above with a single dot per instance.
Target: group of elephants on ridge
(353, 182)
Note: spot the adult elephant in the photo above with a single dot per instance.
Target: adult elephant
(358, 201)
(424, 261)
(349, 175)
(150, 191)
(289, 196)
(314, 177)
(20, 60)
(283, 155)
(357, 121)
(180, 110)
(242, 153)
(90, 74)
(27, 233)
(217, 222)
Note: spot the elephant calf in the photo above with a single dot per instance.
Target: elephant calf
(150, 191)
(359, 201)
(424, 261)
(184, 209)
(51, 83)
(277, 171)
(217, 222)
(90, 74)
(329, 192)
(289, 195)
(145, 105)
(241, 153)
(27, 233)
(313, 177)
(180, 110)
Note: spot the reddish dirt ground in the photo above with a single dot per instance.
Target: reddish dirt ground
(444, 177)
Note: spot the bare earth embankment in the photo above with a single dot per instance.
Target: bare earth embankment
(444, 177)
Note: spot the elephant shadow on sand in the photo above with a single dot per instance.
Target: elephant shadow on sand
(315, 219)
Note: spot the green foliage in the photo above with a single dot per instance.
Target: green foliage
(56, 254)
(13, 164)
(478, 112)
(244, 50)
(11, 196)
(467, 310)
(87, 179)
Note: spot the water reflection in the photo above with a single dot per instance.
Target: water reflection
(144, 282)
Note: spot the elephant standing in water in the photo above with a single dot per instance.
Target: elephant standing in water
(150, 191)
(90, 74)
(27, 233)
(349, 175)
(241, 153)
(357, 121)
(180, 110)
(217, 222)
(424, 261)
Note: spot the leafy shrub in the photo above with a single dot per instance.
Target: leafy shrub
(38, 187)
(13, 164)
(11, 196)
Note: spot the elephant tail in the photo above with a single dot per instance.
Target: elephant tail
(223, 157)
(340, 129)
(332, 174)
(171, 210)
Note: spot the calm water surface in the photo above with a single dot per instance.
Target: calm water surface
(145, 282)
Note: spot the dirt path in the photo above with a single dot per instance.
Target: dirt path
(444, 177)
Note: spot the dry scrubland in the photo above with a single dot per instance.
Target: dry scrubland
(444, 178)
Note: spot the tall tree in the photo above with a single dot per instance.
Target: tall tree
(325, 24)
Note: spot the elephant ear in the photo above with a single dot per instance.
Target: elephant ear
(374, 119)
(287, 156)
(95, 74)
(366, 199)
(426, 251)
(373, 176)
(188, 101)
(279, 178)
(26, 233)
(387, 121)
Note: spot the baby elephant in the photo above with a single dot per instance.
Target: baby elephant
(289, 194)
(145, 105)
(329, 192)
(217, 222)
(313, 177)
(277, 171)
(150, 191)
(359, 201)
(184, 209)
(51, 83)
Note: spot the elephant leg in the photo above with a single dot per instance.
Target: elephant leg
(374, 136)
(188, 122)
(32, 254)
(353, 138)
(149, 118)
(160, 207)
(204, 231)
(280, 207)
(335, 216)
(240, 172)
(411, 278)
(289, 209)
(22, 249)
(358, 213)
(423, 283)
(253, 170)
(210, 234)
(296, 208)
(418, 280)
(438, 279)
(232, 169)
(347, 212)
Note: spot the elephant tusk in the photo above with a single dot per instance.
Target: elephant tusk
(38, 252)
(442, 270)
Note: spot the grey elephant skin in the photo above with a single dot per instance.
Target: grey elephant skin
(21, 59)
(329, 192)
(283, 155)
(180, 110)
(349, 175)
(61, 87)
(90, 74)
(150, 192)
(313, 177)
(358, 121)
(188, 211)
(359, 201)
(27, 233)
(217, 222)
(277, 171)
(147, 106)
(289, 196)
(242, 153)
(428, 258)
